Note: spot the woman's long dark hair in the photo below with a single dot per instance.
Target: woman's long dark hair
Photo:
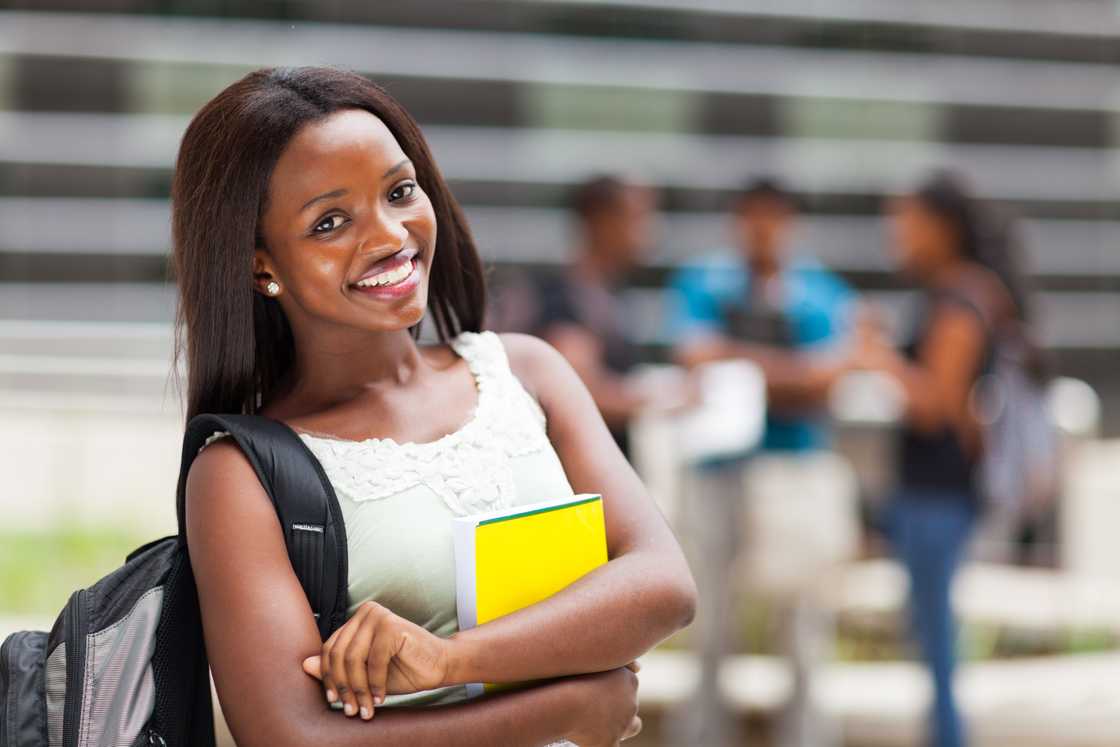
(238, 343)
(990, 237)
(985, 235)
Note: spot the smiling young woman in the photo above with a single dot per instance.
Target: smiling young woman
(312, 234)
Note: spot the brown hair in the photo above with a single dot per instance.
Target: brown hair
(983, 235)
(239, 345)
(597, 193)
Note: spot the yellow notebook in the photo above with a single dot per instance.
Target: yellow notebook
(510, 559)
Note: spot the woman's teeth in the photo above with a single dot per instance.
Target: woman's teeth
(388, 278)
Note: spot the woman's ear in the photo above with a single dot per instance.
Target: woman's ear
(264, 276)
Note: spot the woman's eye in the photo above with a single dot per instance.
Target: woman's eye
(401, 192)
(328, 222)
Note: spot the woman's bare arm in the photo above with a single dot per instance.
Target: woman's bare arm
(618, 611)
(938, 384)
(258, 629)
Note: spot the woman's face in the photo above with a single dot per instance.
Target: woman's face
(920, 240)
(344, 206)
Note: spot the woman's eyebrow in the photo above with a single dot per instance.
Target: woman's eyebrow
(324, 196)
(397, 168)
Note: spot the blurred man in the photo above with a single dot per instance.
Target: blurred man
(788, 314)
(577, 309)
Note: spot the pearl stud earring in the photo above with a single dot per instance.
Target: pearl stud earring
(273, 287)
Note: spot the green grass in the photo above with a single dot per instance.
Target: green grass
(40, 569)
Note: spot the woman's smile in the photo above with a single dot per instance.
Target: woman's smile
(395, 276)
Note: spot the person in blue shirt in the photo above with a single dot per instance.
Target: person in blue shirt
(787, 313)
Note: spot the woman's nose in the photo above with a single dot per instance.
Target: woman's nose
(385, 232)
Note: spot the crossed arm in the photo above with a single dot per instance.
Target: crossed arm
(796, 381)
(259, 628)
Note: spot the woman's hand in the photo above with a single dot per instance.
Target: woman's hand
(376, 653)
(610, 710)
(870, 347)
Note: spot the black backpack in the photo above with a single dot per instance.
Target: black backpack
(125, 664)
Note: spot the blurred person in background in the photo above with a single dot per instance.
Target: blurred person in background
(577, 309)
(787, 313)
(968, 292)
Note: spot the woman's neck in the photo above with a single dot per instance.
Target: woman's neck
(595, 266)
(335, 368)
(947, 273)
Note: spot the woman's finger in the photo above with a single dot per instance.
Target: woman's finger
(381, 654)
(356, 656)
(634, 729)
(329, 688)
(312, 665)
(339, 676)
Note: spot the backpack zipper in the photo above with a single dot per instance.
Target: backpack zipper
(75, 666)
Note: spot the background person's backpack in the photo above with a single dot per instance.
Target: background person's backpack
(1020, 463)
(125, 664)
(1019, 471)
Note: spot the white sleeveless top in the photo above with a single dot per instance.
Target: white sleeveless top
(397, 499)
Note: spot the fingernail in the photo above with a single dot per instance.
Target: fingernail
(365, 712)
(377, 700)
(331, 697)
(349, 708)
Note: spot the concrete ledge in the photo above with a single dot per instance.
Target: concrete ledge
(1069, 701)
(1033, 600)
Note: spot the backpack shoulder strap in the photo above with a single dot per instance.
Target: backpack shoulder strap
(304, 499)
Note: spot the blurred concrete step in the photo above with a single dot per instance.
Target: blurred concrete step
(665, 65)
(1046, 702)
(1034, 601)
(529, 155)
(131, 230)
(135, 341)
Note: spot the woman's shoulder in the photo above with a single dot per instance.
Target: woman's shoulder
(522, 352)
(532, 359)
(219, 458)
(977, 291)
(221, 482)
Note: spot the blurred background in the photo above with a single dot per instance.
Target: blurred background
(611, 145)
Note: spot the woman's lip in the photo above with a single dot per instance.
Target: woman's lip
(398, 290)
(391, 262)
